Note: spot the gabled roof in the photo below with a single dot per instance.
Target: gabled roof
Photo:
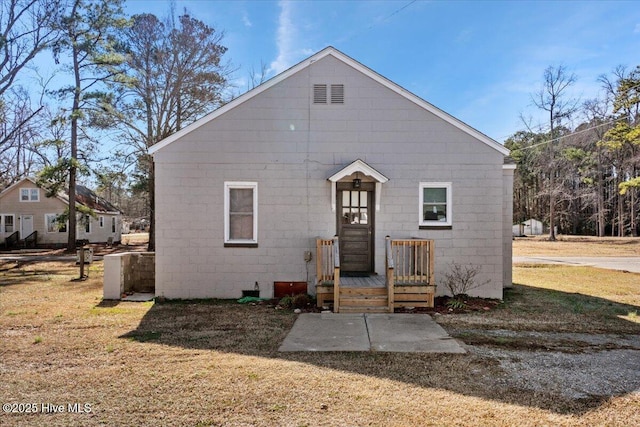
(84, 197)
(358, 166)
(331, 51)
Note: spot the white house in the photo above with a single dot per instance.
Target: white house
(26, 211)
(327, 148)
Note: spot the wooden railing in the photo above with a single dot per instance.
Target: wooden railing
(328, 266)
(409, 272)
(409, 275)
(412, 261)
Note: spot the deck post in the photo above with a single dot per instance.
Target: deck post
(432, 281)
(389, 267)
(336, 275)
(319, 257)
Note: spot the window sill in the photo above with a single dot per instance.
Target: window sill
(435, 227)
(240, 245)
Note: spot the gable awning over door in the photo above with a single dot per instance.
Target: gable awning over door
(350, 169)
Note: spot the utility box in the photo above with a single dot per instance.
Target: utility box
(88, 256)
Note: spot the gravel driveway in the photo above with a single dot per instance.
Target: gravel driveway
(605, 365)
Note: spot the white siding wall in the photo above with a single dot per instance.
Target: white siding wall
(507, 219)
(290, 147)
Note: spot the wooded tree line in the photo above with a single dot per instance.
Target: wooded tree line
(582, 179)
(131, 81)
(138, 79)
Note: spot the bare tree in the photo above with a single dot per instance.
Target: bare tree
(551, 98)
(176, 76)
(25, 30)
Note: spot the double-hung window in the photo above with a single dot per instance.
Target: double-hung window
(29, 194)
(241, 213)
(435, 204)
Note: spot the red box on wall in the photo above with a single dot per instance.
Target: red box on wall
(283, 289)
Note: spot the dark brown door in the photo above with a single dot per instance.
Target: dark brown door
(355, 228)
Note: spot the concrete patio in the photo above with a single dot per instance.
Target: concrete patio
(405, 333)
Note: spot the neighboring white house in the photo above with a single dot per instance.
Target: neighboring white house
(530, 227)
(24, 209)
(243, 193)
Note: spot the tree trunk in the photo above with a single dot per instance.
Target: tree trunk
(632, 214)
(600, 198)
(71, 230)
(620, 214)
(552, 197)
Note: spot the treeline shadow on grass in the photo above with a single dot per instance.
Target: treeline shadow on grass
(226, 326)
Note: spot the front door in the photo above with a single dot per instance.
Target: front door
(355, 228)
(26, 225)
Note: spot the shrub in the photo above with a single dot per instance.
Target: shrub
(286, 302)
(460, 279)
(301, 301)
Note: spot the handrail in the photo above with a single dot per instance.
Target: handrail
(336, 275)
(31, 238)
(389, 268)
(12, 240)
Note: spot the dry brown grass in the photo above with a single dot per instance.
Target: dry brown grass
(555, 298)
(135, 239)
(577, 246)
(216, 363)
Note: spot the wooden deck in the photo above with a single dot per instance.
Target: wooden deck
(408, 280)
(372, 281)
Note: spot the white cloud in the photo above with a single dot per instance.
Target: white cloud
(288, 36)
(245, 20)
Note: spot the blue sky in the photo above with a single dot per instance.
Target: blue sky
(478, 60)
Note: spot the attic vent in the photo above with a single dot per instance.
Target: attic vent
(337, 94)
(319, 94)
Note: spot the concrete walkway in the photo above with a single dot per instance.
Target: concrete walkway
(631, 264)
(402, 333)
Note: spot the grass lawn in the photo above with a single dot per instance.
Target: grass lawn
(214, 363)
(577, 246)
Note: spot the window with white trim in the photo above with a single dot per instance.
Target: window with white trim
(7, 223)
(241, 213)
(53, 224)
(113, 224)
(29, 194)
(101, 221)
(435, 204)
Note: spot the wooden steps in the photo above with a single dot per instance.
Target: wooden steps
(364, 300)
(375, 300)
